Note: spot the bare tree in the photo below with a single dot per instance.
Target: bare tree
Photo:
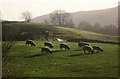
(61, 18)
(27, 16)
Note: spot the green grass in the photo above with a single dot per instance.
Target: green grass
(66, 33)
(88, 35)
(27, 61)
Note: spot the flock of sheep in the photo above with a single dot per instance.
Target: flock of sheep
(84, 45)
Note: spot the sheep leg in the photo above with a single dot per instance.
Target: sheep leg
(92, 52)
(97, 51)
(84, 51)
(67, 48)
(41, 52)
(60, 48)
(26, 44)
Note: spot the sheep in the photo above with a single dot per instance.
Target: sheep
(46, 50)
(98, 48)
(30, 42)
(48, 44)
(63, 45)
(81, 44)
(89, 49)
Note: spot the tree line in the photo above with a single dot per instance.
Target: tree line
(98, 28)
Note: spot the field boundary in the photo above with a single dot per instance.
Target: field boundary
(92, 41)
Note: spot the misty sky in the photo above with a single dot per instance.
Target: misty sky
(12, 9)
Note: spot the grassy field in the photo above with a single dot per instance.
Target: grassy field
(66, 33)
(87, 34)
(27, 61)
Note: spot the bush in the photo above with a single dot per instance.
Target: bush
(9, 36)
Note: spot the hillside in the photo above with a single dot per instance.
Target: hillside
(104, 17)
(88, 35)
(63, 32)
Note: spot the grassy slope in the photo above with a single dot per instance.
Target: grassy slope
(89, 35)
(66, 32)
(25, 61)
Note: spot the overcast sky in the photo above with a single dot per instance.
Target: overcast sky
(12, 9)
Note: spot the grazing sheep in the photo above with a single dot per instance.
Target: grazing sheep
(30, 42)
(46, 50)
(63, 45)
(98, 48)
(89, 49)
(80, 44)
(48, 44)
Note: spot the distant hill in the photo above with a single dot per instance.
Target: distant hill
(104, 17)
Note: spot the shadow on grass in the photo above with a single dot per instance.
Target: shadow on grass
(80, 54)
(36, 55)
(72, 55)
(65, 50)
(58, 51)
(77, 50)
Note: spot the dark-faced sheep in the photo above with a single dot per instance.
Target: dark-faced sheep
(30, 42)
(65, 46)
(97, 48)
(48, 44)
(81, 44)
(46, 50)
(88, 49)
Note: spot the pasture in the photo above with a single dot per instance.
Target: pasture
(59, 31)
(27, 61)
